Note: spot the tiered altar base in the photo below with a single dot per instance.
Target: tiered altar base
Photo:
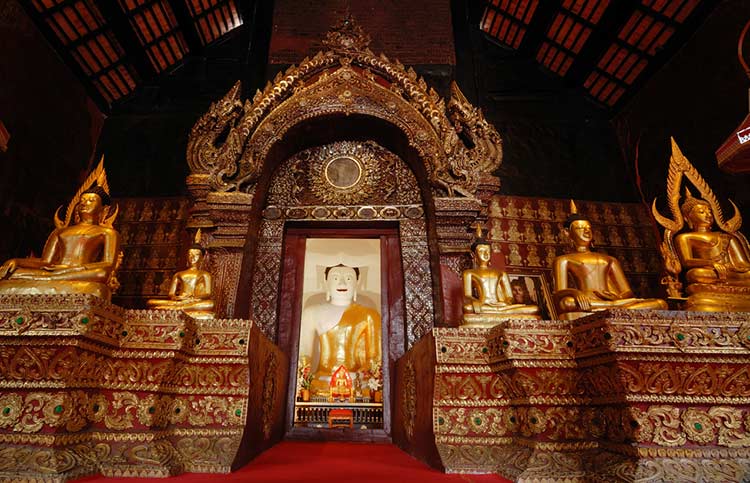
(88, 387)
(615, 396)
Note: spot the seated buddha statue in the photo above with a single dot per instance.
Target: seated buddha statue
(488, 297)
(587, 281)
(710, 256)
(191, 290)
(80, 255)
(715, 264)
(348, 334)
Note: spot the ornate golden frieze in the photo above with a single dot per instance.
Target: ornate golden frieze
(71, 406)
(615, 396)
(345, 81)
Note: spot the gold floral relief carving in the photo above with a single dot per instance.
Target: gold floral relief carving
(409, 399)
(346, 81)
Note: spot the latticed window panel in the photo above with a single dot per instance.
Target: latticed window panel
(87, 37)
(157, 30)
(214, 18)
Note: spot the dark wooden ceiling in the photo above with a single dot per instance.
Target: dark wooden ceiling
(116, 45)
(608, 48)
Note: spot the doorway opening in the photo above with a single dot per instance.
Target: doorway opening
(342, 291)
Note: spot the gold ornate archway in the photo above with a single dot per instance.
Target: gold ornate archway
(234, 148)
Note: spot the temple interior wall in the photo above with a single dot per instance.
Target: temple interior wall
(53, 124)
(699, 97)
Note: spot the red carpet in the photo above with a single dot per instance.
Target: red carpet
(293, 461)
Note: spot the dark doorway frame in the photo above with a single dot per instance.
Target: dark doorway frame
(392, 315)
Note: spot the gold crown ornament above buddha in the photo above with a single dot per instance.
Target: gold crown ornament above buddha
(80, 256)
(713, 264)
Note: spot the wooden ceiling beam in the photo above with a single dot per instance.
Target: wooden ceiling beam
(187, 25)
(127, 38)
(606, 31)
(66, 56)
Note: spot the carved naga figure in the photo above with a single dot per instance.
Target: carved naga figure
(206, 153)
(474, 147)
(716, 264)
(219, 146)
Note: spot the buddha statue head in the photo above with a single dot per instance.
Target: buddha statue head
(578, 229)
(91, 204)
(195, 255)
(341, 284)
(697, 212)
(481, 249)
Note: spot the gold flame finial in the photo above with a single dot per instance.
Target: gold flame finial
(573, 208)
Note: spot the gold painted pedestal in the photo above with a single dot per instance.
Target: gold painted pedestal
(491, 320)
(87, 387)
(704, 297)
(621, 395)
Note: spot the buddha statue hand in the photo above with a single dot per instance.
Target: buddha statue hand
(722, 270)
(7, 268)
(571, 299)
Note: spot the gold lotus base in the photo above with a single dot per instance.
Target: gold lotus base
(36, 287)
(704, 297)
(491, 320)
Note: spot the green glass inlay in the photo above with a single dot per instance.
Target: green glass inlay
(533, 420)
(19, 320)
(505, 343)
(680, 336)
(58, 409)
(484, 350)
(607, 335)
(96, 408)
(698, 426)
(85, 320)
(477, 421)
(238, 412)
(441, 420)
(6, 411)
(151, 410)
(182, 334)
(124, 333)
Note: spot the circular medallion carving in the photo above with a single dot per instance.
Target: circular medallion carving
(343, 172)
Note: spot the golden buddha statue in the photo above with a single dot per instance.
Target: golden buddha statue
(587, 281)
(488, 297)
(716, 264)
(80, 256)
(191, 290)
(348, 333)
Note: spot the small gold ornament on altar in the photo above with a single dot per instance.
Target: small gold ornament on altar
(81, 255)
(714, 264)
(192, 289)
(488, 297)
(587, 281)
